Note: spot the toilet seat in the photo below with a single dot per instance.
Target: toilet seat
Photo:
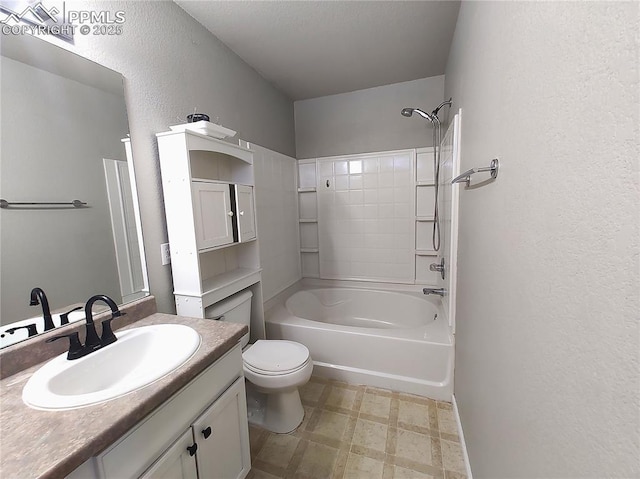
(275, 357)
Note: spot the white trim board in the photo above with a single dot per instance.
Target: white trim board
(463, 444)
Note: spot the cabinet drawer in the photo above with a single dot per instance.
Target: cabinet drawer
(139, 448)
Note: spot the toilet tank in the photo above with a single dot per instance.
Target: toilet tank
(235, 309)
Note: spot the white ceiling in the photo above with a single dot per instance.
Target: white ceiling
(309, 49)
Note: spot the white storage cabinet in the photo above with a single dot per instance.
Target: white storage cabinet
(208, 187)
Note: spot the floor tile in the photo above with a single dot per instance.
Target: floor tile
(359, 432)
(447, 422)
(341, 398)
(413, 414)
(452, 458)
(404, 473)
(454, 475)
(311, 392)
(278, 449)
(331, 424)
(258, 474)
(371, 435)
(360, 467)
(375, 405)
(308, 412)
(318, 461)
(414, 446)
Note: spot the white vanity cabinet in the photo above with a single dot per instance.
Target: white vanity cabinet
(201, 432)
(176, 463)
(208, 187)
(212, 442)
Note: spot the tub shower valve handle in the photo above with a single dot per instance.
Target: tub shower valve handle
(438, 267)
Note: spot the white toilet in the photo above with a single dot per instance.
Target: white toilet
(274, 368)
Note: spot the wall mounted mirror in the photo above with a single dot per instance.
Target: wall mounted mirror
(63, 123)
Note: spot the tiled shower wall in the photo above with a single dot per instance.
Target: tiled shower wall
(277, 216)
(366, 219)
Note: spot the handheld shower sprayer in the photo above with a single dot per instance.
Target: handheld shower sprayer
(409, 112)
(433, 118)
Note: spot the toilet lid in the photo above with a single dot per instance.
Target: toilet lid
(275, 356)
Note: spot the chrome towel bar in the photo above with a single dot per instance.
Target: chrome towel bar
(8, 204)
(466, 176)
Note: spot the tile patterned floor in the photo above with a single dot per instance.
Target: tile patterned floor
(359, 432)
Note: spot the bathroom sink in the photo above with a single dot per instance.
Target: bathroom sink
(139, 357)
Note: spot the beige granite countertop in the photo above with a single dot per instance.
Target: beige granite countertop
(51, 444)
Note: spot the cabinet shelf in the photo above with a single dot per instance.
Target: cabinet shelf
(221, 286)
(209, 180)
(313, 220)
(228, 245)
(309, 250)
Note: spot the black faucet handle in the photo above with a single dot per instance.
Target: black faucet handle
(31, 330)
(75, 346)
(107, 333)
(64, 317)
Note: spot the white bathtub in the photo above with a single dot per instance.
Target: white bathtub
(381, 338)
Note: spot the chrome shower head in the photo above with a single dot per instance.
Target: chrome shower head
(409, 111)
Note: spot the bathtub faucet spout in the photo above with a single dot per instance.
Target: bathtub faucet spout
(438, 291)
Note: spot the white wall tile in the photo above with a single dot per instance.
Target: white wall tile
(342, 182)
(341, 167)
(425, 201)
(308, 235)
(277, 217)
(307, 204)
(355, 167)
(424, 162)
(310, 265)
(307, 175)
(364, 223)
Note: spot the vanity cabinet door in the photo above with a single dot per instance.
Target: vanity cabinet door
(213, 214)
(222, 435)
(177, 462)
(246, 216)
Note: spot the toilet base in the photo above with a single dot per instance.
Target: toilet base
(279, 412)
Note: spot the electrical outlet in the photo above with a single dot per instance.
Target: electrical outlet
(165, 253)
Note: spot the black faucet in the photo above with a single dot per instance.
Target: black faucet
(92, 341)
(108, 337)
(38, 297)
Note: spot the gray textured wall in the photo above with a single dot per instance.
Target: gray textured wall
(172, 64)
(366, 120)
(547, 372)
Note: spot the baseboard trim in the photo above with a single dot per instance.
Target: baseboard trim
(463, 444)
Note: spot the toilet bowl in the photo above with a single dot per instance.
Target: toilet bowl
(274, 369)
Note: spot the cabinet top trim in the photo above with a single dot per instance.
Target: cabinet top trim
(197, 141)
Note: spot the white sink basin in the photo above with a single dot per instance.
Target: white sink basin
(139, 357)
